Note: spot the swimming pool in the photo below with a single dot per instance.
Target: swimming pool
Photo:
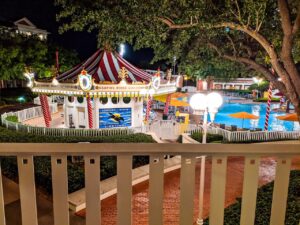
(257, 109)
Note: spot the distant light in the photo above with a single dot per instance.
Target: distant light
(279, 79)
(122, 49)
(21, 99)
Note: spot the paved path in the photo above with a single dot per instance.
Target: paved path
(234, 188)
(57, 120)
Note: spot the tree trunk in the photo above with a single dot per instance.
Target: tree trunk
(297, 110)
(288, 102)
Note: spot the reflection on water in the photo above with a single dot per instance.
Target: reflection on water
(258, 110)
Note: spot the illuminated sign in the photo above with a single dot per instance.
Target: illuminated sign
(114, 117)
(85, 81)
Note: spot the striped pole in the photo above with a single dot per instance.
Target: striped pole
(148, 109)
(168, 101)
(47, 106)
(45, 114)
(90, 111)
(268, 106)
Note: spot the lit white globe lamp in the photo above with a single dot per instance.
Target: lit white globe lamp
(202, 105)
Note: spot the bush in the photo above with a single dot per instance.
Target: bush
(42, 165)
(23, 137)
(12, 119)
(264, 203)
(266, 99)
(209, 138)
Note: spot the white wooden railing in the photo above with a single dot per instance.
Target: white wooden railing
(218, 153)
(35, 112)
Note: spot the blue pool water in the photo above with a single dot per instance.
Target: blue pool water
(257, 109)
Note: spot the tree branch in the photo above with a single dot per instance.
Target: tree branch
(172, 25)
(297, 22)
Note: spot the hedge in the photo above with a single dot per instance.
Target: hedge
(264, 203)
(209, 138)
(266, 99)
(17, 136)
(75, 171)
(12, 119)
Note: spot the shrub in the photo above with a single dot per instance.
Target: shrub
(12, 119)
(23, 137)
(209, 138)
(264, 204)
(266, 99)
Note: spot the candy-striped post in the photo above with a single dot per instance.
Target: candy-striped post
(268, 107)
(47, 107)
(90, 111)
(148, 109)
(45, 114)
(168, 101)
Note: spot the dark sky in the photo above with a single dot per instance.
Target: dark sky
(42, 14)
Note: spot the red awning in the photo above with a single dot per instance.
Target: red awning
(104, 66)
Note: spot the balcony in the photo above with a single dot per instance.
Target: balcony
(219, 154)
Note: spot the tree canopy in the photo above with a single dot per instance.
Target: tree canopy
(18, 51)
(256, 35)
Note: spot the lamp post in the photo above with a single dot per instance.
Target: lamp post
(202, 105)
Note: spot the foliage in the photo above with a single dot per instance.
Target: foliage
(12, 119)
(17, 136)
(264, 203)
(43, 176)
(18, 51)
(217, 38)
(210, 138)
(262, 86)
(266, 99)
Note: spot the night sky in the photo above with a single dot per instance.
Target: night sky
(42, 14)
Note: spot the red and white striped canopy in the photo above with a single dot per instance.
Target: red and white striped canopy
(105, 66)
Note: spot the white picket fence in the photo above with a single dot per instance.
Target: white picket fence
(169, 129)
(248, 136)
(34, 112)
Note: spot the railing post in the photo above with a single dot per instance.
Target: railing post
(187, 189)
(124, 187)
(2, 212)
(27, 190)
(280, 191)
(217, 193)
(60, 189)
(156, 190)
(250, 185)
(92, 189)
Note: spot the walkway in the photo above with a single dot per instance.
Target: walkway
(57, 120)
(234, 188)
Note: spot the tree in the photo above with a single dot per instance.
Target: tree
(257, 34)
(18, 51)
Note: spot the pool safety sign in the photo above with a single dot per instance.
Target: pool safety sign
(114, 117)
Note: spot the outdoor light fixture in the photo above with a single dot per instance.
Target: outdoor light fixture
(122, 49)
(202, 105)
(55, 81)
(29, 76)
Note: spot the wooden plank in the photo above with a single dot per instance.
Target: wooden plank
(2, 212)
(156, 189)
(280, 192)
(27, 190)
(250, 186)
(124, 187)
(92, 189)
(217, 191)
(60, 189)
(187, 189)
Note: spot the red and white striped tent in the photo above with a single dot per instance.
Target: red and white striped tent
(104, 66)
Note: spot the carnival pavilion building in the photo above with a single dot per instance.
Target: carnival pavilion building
(105, 91)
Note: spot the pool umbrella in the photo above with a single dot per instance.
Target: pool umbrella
(244, 115)
(177, 99)
(288, 117)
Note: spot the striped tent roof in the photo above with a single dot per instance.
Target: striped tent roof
(104, 66)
